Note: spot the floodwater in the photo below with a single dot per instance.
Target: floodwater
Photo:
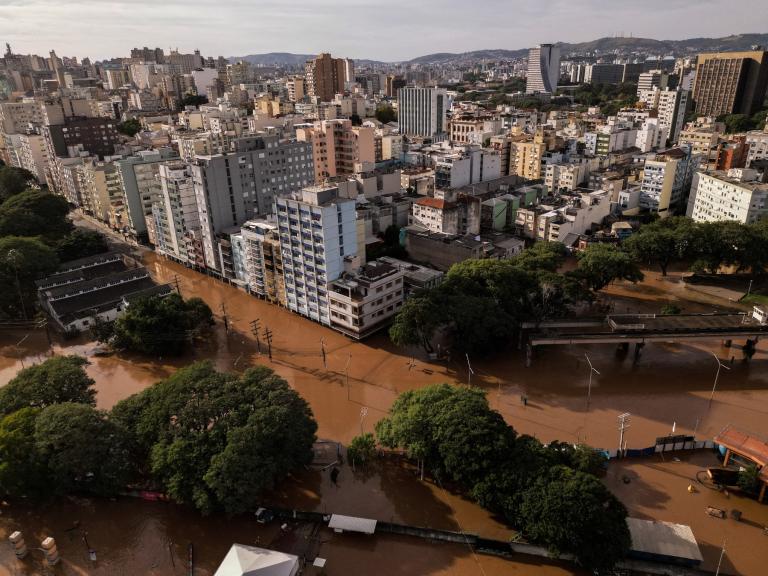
(668, 387)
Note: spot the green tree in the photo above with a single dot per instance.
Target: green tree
(35, 213)
(737, 123)
(662, 242)
(217, 440)
(362, 449)
(600, 264)
(13, 181)
(22, 261)
(21, 471)
(161, 325)
(418, 320)
(81, 243)
(671, 309)
(130, 127)
(749, 480)
(192, 100)
(57, 380)
(571, 512)
(385, 113)
(82, 450)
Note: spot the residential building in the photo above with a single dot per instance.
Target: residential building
(242, 184)
(604, 73)
(264, 261)
(730, 82)
(318, 240)
(337, 147)
(177, 217)
(97, 136)
(562, 177)
(738, 194)
(325, 77)
(543, 69)
(473, 128)
(667, 180)
(758, 146)
(652, 79)
(459, 167)
(296, 87)
(422, 111)
(365, 301)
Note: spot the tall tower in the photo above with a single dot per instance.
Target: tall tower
(543, 69)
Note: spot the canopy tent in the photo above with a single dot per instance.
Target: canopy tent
(244, 560)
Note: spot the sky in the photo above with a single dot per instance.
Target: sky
(387, 30)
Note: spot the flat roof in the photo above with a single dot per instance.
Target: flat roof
(352, 524)
(664, 539)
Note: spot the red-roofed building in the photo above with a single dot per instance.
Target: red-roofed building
(436, 214)
(746, 447)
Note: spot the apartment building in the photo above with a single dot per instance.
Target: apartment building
(738, 194)
(667, 180)
(758, 146)
(365, 301)
(325, 77)
(242, 184)
(565, 177)
(177, 218)
(263, 261)
(337, 147)
(473, 128)
(457, 167)
(564, 217)
(318, 240)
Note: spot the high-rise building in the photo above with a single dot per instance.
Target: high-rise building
(318, 237)
(325, 76)
(242, 184)
(422, 111)
(667, 180)
(338, 148)
(603, 73)
(543, 69)
(263, 261)
(177, 215)
(737, 194)
(148, 55)
(730, 82)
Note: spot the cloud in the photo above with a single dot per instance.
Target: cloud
(395, 30)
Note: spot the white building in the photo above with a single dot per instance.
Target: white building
(422, 111)
(365, 301)
(543, 69)
(176, 215)
(667, 180)
(318, 239)
(651, 135)
(758, 146)
(735, 195)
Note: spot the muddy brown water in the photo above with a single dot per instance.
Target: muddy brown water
(669, 386)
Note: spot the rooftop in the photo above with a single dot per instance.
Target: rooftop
(747, 444)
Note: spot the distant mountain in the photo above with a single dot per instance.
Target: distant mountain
(274, 59)
(602, 45)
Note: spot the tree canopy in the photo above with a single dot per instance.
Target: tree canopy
(13, 181)
(452, 432)
(385, 113)
(217, 440)
(130, 127)
(34, 213)
(600, 264)
(57, 380)
(159, 325)
(22, 261)
(81, 243)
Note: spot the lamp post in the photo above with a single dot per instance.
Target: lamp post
(717, 375)
(469, 372)
(592, 370)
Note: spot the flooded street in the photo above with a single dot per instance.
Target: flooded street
(670, 385)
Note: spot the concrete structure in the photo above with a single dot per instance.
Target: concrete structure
(730, 82)
(667, 180)
(337, 147)
(543, 69)
(603, 73)
(318, 239)
(665, 542)
(734, 195)
(758, 147)
(264, 261)
(177, 219)
(461, 167)
(365, 301)
(325, 77)
(242, 184)
(422, 111)
(415, 277)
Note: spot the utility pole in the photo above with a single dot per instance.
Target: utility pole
(469, 372)
(224, 316)
(623, 425)
(346, 372)
(268, 338)
(717, 374)
(363, 414)
(322, 351)
(719, 562)
(592, 370)
(255, 332)
(176, 281)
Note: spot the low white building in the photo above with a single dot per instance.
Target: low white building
(736, 195)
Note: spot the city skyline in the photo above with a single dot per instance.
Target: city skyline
(358, 29)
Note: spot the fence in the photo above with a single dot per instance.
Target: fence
(688, 444)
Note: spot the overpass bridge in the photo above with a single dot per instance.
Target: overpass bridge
(639, 329)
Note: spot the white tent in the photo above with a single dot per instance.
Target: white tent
(244, 560)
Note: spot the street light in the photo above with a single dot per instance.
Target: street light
(717, 375)
(469, 372)
(592, 370)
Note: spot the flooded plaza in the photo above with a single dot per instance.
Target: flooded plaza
(669, 386)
